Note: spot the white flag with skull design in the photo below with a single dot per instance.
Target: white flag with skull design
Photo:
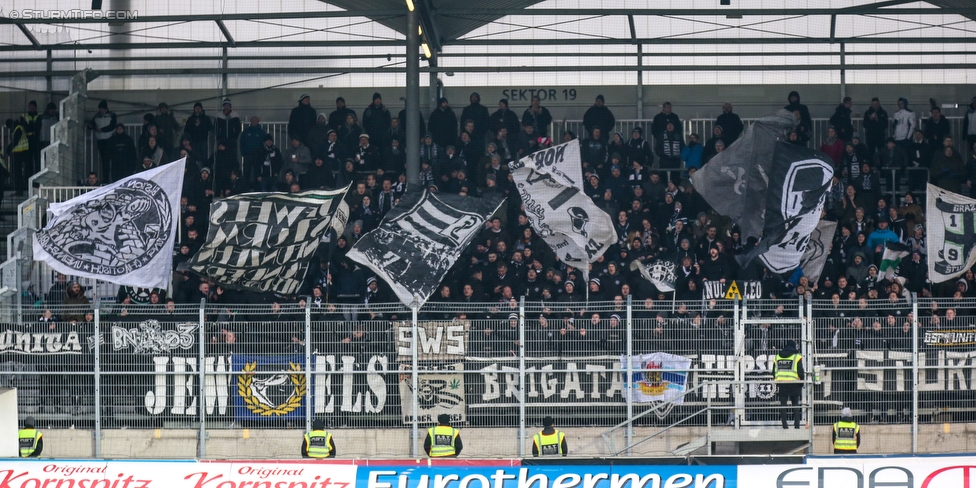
(122, 233)
(550, 183)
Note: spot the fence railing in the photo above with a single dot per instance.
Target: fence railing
(217, 366)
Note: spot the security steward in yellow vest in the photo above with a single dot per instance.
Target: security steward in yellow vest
(442, 439)
(30, 440)
(549, 442)
(788, 375)
(318, 443)
(847, 434)
(18, 150)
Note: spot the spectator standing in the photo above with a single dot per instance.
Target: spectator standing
(691, 155)
(875, 126)
(302, 119)
(540, 118)
(661, 120)
(730, 123)
(376, 121)
(33, 120)
(252, 138)
(123, 154)
(969, 125)
(504, 118)
(48, 119)
(443, 124)
(476, 113)
(103, 124)
(19, 152)
(338, 116)
(841, 120)
(198, 128)
(168, 127)
(936, 130)
(227, 126)
(599, 116)
(904, 123)
(795, 105)
(638, 149)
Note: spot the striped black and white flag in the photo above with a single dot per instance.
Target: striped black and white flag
(420, 239)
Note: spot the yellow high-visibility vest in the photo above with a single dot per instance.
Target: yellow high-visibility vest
(786, 369)
(317, 444)
(27, 438)
(845, 438)
(549, 445)
(442, 438)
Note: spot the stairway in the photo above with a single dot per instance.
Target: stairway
(764, 440)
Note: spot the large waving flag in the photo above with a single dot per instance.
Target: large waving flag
(121, 233)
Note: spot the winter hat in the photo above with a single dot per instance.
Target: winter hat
(505, 101)
(303, 97)
(377, 95)
(638, 130)
(205, 170)
(600, 98)
(364, 136)
(615, 316)
(198, 104)
(370, 281)
(846, 413)
(441, 100)
(103, 104)
(595, 280)
(322, 116)
(225, 102)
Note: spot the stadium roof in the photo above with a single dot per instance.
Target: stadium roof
(354, 42)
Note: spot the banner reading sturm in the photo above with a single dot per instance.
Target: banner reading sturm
(264, 241)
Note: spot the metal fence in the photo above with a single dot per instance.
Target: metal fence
(222, 367)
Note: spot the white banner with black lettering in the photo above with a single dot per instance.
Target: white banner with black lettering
(122, 233)
(439, 341)
(439, 392)
(264, 241)
(950, 221)
(550, 183)
(420, 239)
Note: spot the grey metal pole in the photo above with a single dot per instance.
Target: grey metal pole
(915, 372)
(224, 64)
(414, 380)
(640, 82)
(630, 370)
(202, 445)
(432, 98)
(48, 78)
(521, 436)
(413, 101)
(843, 71)
(309, 413)
(98, 381)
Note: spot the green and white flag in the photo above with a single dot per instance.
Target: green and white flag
(891, 259)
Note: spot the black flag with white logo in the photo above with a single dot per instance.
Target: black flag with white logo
(798, 182)
(420, 239)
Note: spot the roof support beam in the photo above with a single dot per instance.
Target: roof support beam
(225, 32)
(491, 42)
(304, 70)
(224, 17)
(33, 40)
(586, 12)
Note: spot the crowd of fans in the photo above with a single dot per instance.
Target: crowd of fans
(640, 179)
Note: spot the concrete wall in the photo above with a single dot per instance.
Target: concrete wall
(689, 101)
(478, 442)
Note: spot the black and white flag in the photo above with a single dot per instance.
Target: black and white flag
(815, 257)
(950, 221)
(264, 241)
(122, 233)
(661, 273)
(735, 181)
(798, 182)
(550, 183)
(420, 239)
